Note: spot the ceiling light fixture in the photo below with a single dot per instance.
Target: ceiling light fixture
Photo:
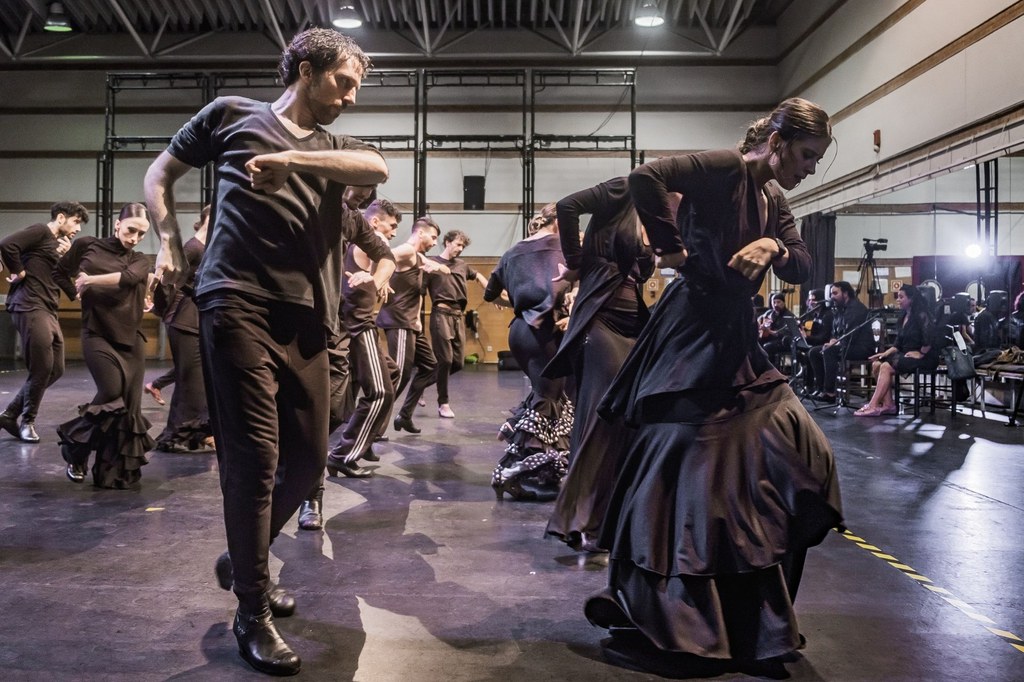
(56, 20)
(347, 17)
(648, 16)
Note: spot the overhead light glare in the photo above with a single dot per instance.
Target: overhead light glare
(56, 20)
(973, 250)
(347, 17)
(648, 16)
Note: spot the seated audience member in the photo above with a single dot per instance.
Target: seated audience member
(913, 349)
(1016, 322)
(772, 331)
(851, 339)
(990, 324)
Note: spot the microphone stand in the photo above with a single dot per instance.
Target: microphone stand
(841, 401)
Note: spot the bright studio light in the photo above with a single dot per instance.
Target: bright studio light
(648, 16)
(973, 250)
(348, 17)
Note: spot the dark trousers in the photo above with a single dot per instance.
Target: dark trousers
(42, 346)
(824, 363)
(417, 367)
(267, 384)
(447, 338)
(373, 374)
(533, 348)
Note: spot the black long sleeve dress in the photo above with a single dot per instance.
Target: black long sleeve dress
(536, 458)
(188, 419)
(606, 319)
(728, 479)
(112, 424)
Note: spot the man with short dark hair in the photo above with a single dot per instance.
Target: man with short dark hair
(448, 298)
(848, 314)
(31, 255)
(399, 317)
(268, 295)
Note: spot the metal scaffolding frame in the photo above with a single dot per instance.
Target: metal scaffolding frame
(210, 85)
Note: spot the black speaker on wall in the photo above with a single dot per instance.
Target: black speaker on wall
(473, 192)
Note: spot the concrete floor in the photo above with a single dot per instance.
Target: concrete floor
(421, 576)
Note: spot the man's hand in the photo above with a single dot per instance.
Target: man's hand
(432, 266)
(268, 172)
(82, 282)
(358, 277)
(170, 264)
(16, 277)
(562, 324)
(63, 244)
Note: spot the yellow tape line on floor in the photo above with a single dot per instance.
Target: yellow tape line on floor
(1010, 638)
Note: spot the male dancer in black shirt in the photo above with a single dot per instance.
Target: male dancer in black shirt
(267, 295)
(31, 255)
(399, 317)
(448, 296)
(369, 366)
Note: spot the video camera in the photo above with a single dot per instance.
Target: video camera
(872, 245)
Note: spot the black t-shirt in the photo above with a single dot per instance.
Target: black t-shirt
(34, 250)
(402, 309)
(284, 246)
(451, 290)
(112, 312)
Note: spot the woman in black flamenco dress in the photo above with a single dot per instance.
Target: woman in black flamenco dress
(611, 264)
(728, 480)
(536, 458)
(112, 279)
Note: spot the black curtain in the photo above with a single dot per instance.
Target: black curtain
(819, 234)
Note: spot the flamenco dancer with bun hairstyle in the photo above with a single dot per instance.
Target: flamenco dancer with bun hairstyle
(112, 280)
(728, 480)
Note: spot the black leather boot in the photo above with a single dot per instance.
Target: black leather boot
(310, 517)
(9, 423)
(405, 424)
(261, 645)
(281, 603)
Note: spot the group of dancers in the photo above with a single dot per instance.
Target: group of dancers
(665, 437)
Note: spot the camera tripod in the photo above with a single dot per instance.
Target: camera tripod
(867, 266)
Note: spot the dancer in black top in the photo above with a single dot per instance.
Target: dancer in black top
(728, 480)
(31, 255)
(370, 367)
(611, 265)
(112, 280)
(188, 419)
(536, 458)
(400, 318)
(448, 297)
(267, 297)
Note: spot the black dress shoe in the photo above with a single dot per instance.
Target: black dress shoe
(9, 423)
(405, 424)
(828, 399)
(28, 432)
(75, 473)
(370, 455)
(310, 517)
(348, 469)
(381, 439)
(261, 645)
(281, 603)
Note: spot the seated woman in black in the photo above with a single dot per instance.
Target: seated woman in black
(111, 278)
(912, 350)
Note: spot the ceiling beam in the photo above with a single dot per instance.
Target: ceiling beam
(127, 23)
(273, 24)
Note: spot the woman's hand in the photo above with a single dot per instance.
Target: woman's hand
(673, 260)
(82, 282)
(914, 354)
(752, 259)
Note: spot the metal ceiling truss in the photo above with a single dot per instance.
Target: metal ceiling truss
(160, 29)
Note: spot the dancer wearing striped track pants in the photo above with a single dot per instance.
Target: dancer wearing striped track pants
(371, 369)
